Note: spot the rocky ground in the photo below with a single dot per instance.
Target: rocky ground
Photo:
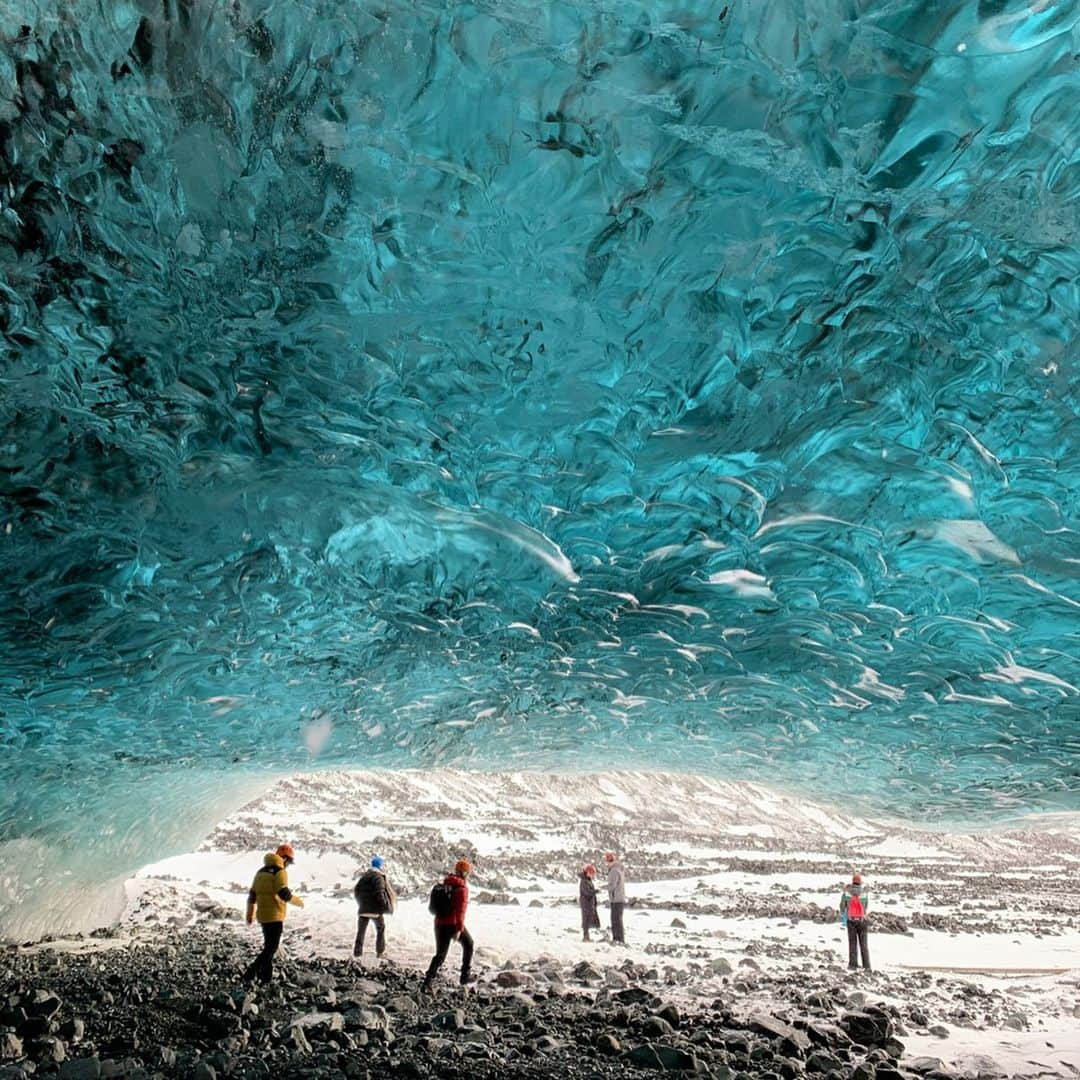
(172, 1004)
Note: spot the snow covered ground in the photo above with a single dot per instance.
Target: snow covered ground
(989, 963)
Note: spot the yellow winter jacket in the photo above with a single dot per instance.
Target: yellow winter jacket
(270, 894)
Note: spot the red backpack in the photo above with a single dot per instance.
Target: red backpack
(855, 907)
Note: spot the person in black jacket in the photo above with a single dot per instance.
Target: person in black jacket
(375, 899)
(590, 917)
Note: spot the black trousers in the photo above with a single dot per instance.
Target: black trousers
(857, 943)
(443, 936)
(617, 932)
(262, 967)
(361, 931)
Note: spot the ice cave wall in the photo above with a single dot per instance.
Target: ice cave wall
(534, 383)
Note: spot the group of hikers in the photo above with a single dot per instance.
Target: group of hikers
(270, 896)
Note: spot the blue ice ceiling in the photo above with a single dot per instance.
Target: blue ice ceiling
(540, 384)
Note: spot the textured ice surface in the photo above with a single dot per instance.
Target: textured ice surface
(533, 383)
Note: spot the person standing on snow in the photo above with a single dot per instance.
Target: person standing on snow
(449, 902)
(268, 901)
(375, 899)
(854, 908)
(590, 917)
(616, 887)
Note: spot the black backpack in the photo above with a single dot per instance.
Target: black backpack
(441, 902)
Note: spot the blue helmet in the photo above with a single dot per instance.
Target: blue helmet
(376, 862)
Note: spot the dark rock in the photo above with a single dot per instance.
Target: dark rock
(220, 1025)
(820, 1061)
(870, 1027)
(656, 1027)
(43, 1003)
(765, 1024)
(88, 1068)
(668, 1058)
(927, 1065)
(634, 995)
(606, 1043)
(34, 1027)
(587, 973)
(47, 1049)
(670, 1013)
(495, 898)
(73, 1030)
(453, 1020)
(512, 979)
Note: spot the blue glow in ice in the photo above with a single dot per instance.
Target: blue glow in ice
(539, 384)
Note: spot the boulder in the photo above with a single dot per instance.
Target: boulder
(656, 1027)
(670, 1013)
(512, 980)
(927, 1065)
(868, 1027)
(454, 1020)
(606, 1043)
(634, 995)
(666, 1058)
(369, 1018)
(790, 1037)
(585, 972)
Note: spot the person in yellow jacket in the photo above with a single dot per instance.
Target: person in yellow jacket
(268, 902)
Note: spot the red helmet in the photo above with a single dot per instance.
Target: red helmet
(285, 851)
(589, 871)
(462, 867)
(609, 857)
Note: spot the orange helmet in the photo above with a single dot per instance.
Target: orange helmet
(285, 851)
(856, 879)
(462, 867)
(589, 871)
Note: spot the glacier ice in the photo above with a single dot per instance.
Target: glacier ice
(533, 383)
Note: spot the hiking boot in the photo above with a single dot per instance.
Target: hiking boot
(467, 978)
